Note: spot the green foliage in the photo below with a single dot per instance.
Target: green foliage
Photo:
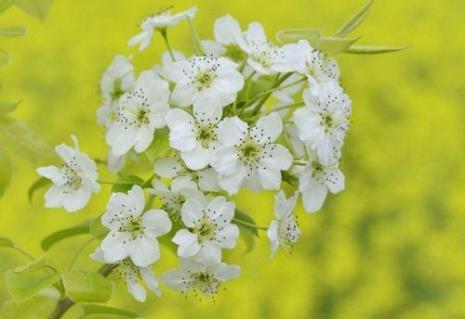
(125, 183)
(98, 311)
(24, 285)
(32, 266)
(354, 21)
(97, 230)
(4, 57)
(8, 106)
(5, 171)
(40, 183)
(6, 242)
(84, 286)
(38, 306)
(12, 31)
(5, 4)
(60, 235)
(36, 8)
(372, 49)
(248, 229)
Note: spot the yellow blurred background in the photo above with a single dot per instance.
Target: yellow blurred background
(392, 245)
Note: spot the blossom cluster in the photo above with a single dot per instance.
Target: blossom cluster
(242, 112)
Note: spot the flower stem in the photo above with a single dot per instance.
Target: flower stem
(198, 47)
(239, 221)
(164, 34)
(22, 252)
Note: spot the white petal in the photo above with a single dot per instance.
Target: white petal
(77, 199)
(183, 95)
(144, 251)
(115, 246)
(150, 280)
(231, 130)
(156, 222)
(226, 30)
(272, 234)
(135, 288)
(334, 180)
(313, 194)
(168, 167)
(228, 236)
(187, 243)
(267, 129)
(196, 159)
(225, 272)
(136, 195)
(192, 211)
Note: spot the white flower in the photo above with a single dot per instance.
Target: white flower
(138, 113)
(285, 96)
(172, 167)
(136, 277)
(193, 136)
(250, 156)
(210, 227)
(118, 79)
(74, 182)
(283, 231)
(200, 274)
(133, 233)
(316, 179)
(166, 63)
(263, 56)
(227, 32)
(323, 122)
(313, 63)
(159, 21)
(206, 82)
(174, 197)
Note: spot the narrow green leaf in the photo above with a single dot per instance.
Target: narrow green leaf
(22, 286)
(5, 171)
(355, 21)
(5, 4)
(84, 286)
(60, 235)
(373, 49)
(294, 35)
(4, 57)
(12, 31)
(331, 45)
(242, 219)
(35, 8)
(90, 309)
(8, 106)
(125, 183)
(32, 266)
(6, 242)
(41, 182)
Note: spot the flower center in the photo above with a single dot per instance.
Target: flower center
(327, 121)
(206, 134)
(234, 52)
(205, 282)
(142, 116)
(249, 152)
(133, 226)
(205, 79)
(205, 230)
(73, 180)
(288, 232)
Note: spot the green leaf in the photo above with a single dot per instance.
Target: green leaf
(39, 306)
(331, 45)
(22, 286)
(6, 242)
(97, 230)
(84, 286)
(373, 49)
(355, 21)
(93, 310)
(125, 183)
(294, 35)
(35, 8)
(12, 31)
(4, 57)
(41, 182)
(24, 141)
(248, 229)
(32, 266)
(60, 235)
(5, 171)
(5, 4)
(8, 106)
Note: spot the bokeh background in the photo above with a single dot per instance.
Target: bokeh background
(392, 245)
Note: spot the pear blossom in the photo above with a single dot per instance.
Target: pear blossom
(209, 227)
(193, 136)
(313, 63)
(316, 179)
(263, 56)
(172, 167)
(135, 277)
(118, 79)
(203, 274)
(133, 233)
(159, 21)
(161, 70)
(174, 197)
(249, 156)
(138, 114)
(206, 82)
(283, 231)
(227, 33)
(74, 182)
(323, 122)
